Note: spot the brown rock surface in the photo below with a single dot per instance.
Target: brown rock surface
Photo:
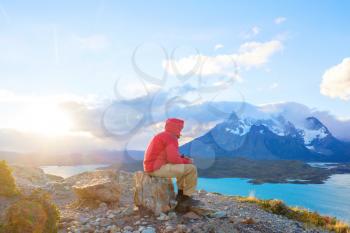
(153, 193)
(103, 186)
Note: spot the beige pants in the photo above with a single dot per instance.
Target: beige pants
(186, 176)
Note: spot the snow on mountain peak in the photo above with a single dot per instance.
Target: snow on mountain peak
(309, 129)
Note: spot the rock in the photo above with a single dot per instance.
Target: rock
(169, 229)
(219, 214)
(191, 215)
(248, 221)
(114, 229)
(201, 211)
(163, 217)
(105, 188)
(172, 215)
(103, 206)
(181, 228)
(149, 230)
(128, 228)
(153, 193)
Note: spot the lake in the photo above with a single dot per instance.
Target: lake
(66, 171)
(331, 198)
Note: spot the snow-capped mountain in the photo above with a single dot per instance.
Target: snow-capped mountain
(270, 137)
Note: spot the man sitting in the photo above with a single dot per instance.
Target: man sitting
(162, 159)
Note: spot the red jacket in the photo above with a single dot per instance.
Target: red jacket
(164, 147)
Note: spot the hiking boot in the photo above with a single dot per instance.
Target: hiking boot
(185, 203)
(187, 200)
(179, 195)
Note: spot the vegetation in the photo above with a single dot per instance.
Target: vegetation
(32, 214)
(7, 182)
(299, 214)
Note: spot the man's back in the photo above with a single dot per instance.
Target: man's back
(164, 147)
(155, 155)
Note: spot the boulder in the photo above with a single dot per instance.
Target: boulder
(153, 193)
(100, 186)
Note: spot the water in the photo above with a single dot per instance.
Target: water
(66, 171)
(331, 198)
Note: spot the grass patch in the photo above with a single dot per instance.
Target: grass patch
(7, 182)
(299, 214)
(33, 213)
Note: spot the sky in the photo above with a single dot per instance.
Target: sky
(83, 56)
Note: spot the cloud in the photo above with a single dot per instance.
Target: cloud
(93, 42)
(249, 55)
(218, 46)
(251, 33)
(280, 20)
(336, 81)
(255, 30)
(3, 13)
(273, 85)
(296, 113)
(98, 123)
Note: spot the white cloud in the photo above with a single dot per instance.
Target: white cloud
(3, 13)
(336, 81)
(296, 113)
(273, 86)
(218, 46)
(94, 42)
(280, 20)
(250, 54)
(255, 30)
(251, 33)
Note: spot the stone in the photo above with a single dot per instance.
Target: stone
(169, 229)
(202, 211)
(219, 214)
(163, 217)
(149, 230)
(128, 228)
(153, 193)
(113, 229)
(104, 187)
(103, 206)
(181, 228)
(191, 215)
(172, 215)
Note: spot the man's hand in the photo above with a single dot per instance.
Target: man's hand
(188, 158)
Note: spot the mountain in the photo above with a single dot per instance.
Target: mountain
(271, 137)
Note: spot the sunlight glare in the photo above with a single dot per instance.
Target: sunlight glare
(46, 119)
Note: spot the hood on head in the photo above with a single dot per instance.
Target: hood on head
(174, 125)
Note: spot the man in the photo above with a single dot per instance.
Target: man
(162, 159)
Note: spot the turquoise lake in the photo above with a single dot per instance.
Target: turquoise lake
(331, 198)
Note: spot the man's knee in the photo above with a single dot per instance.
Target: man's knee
(191, 168)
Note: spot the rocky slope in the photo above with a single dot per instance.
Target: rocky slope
(227, 214)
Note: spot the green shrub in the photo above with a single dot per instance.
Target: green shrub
(32, 214)
(299, 214)
(7, 182)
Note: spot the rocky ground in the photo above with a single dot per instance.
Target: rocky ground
(217, 213)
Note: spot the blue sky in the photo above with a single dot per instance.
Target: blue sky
(38, 36)
(80, 48)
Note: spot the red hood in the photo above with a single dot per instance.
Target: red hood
(174, 125)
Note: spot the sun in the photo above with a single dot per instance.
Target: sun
(45, 119)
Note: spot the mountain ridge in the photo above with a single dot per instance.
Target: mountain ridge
(270, 138)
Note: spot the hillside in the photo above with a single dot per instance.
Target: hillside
(226, 214)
